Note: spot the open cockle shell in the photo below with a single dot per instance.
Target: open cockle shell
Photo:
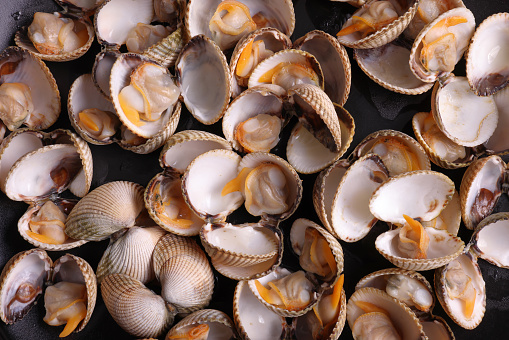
(203, 76)
(21, 66)
(101, 71)
(253, 319)
(466, 273)
(23, 40)
(130, 252)
(315, 142)
(399, 152)
(461, 34)
(450, 218)
(387, 66)
(218, 325)
(435, 327)
(465, 118)
(105, 210)
(498, 143)
(386, 33)
(402, 318)
(167, 50)
(433, 191)
(113, 20)
(350, 216)
(241, 64)
(63, 161)
(298, 235)
(204, 180)
(409, 287)
(249, 105)
(65, 205)
(488, 54)
(441, 150)
(481, 187)
(85, 95)
(278, 14)
(243, 252)
(333, 60)
(299, 289)
(490, 237)
(135, 308)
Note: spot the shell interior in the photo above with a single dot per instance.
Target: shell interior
(491, 238)
(102, 69)
(499, 140)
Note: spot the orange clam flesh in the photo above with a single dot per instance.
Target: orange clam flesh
(98, 123)
(193, 332)
(316, 255)
(459, 286)
(170, 206)
(252, 55)
(396, 156)
(413, 239)
(47, 226)
(259, 133)
(288, 74)
(378, 15)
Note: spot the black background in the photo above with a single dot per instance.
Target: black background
(368, 103)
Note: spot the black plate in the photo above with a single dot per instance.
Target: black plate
(368, 103)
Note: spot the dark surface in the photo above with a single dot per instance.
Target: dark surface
(367, 103)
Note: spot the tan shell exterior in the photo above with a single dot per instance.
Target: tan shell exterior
(386, 34)
(337, 72)
(107, 209)
(166, 51)
(131, 254)
(238, 266)
(203, 316)
(8, 269)
(436, 159)
(135, 308)
(21, 39)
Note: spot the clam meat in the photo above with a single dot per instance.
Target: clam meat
(170, 206)
(149, 94)
(47, 226)
(413, 239)
(259, 133)
(375, 325)
(459, 286)
(15, 104)
(54, 34)
(316, 255)
(100, 124)
(410, 291)
(376, 15)
(142, 36)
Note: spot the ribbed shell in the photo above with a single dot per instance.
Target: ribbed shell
(21, 39)
(105, 210)
(67, 273)
(10, 274)
(297, 239)
(384, 35)
(309, 160)
(243, 266)
(131, 254)
(417, 125)
(211, 317)
(135, 308)
(167, 50)
(187, 282)
(403, 319)
(333, 60)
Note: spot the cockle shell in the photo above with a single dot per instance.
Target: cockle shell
(219, 324)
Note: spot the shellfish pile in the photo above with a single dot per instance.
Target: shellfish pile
(266, 194)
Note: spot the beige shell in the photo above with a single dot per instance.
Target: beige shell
(437, 328)
(297, 239)
(134, 307)
(130, 252)
(184, 272)
(219, 324)
(395, 148)
(480, 189)
(166, 51)
(253, 319)
(379, 280)
(243, 252)
(384, 35)
(489, 239)
(32, 71)
(315, 142)
(421, 127)
(23, 226)
(333, 60)
(454, 308)
(21, 39)
(107, 209)
(102, 69)
(403, 319)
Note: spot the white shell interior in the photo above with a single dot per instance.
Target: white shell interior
(492, 241)
(102, 70)
(117, 17)
(204, 80)
(435, 330)
(206, 177)
(23, 183)
(350, 214)
(466, 118)
(305, 153)
(247, 239)
(256, 320)
(499, 140)
(418, 194)
(330, 186)
(180, 155)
